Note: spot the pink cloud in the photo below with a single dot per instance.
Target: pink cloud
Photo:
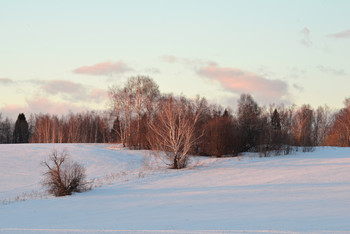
(12, 110)
(45, 105)
(344, 34)
(238, 81)
(98, 95)
(36, 105)
(103, 69)
(6, 81)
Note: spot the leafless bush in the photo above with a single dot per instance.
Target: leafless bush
(63, 176)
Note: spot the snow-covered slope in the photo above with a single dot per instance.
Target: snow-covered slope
(303, 192)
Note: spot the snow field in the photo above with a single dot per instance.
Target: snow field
(303, 192)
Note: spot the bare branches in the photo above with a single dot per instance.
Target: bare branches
(134, 101)
(63, 176)
(173, 129)
(88, 127)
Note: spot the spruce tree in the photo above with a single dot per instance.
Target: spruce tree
(115, 131)
(275, 120)
(21, 131)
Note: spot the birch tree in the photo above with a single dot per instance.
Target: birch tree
(131, 102)
(173, 129)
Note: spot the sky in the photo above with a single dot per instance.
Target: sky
(61, 56)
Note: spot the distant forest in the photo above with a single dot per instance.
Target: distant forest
(141, 117)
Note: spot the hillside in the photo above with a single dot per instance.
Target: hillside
(135, 193)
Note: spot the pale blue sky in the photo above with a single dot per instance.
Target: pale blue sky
(279, 51)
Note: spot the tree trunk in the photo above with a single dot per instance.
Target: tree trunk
(177, 163)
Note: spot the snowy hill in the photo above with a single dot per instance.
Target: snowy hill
(135, 193)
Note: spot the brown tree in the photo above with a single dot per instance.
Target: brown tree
(173, 129)
(323, 119)
(250, 125)
(339, 134)
(219, 134)
(63, 176)
(130, 103)
(303, 126)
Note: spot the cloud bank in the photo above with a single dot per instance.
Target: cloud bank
(343, 34)
(62, 86)
(6, 81)
(56, 97)
(103, 69)
(238, 81)
(72, 91)
(40, 104)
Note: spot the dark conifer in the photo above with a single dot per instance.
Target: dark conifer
(115, 131)
(21, 131)
(275, 120)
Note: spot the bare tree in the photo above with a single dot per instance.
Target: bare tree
(122, 103)
(7, 129)
(322, 124)
(249, 120)
(61, 131)
(219, 135)
(144, 91)
(133, 101)
(303, 126)
(339, 134)
(63, 176)
(173, 129)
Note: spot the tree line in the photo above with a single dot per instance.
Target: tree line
(86, 127)
(141, 117)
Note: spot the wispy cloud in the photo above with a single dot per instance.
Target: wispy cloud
(343, 34)
(6, 81)
(186, 61)
(104, 69)
(62, 86)
(297, 72)
(72, 91)
(97, 95)
(151, 70)
(330, 70)
(169, 58)
(306, 41)
(239, 81)
(298, 87)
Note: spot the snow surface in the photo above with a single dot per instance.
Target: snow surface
(135, 193)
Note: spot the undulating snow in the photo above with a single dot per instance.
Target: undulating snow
(135, 193)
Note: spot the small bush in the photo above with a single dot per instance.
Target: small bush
(63, 176)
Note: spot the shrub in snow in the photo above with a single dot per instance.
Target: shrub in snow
(63, 176)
